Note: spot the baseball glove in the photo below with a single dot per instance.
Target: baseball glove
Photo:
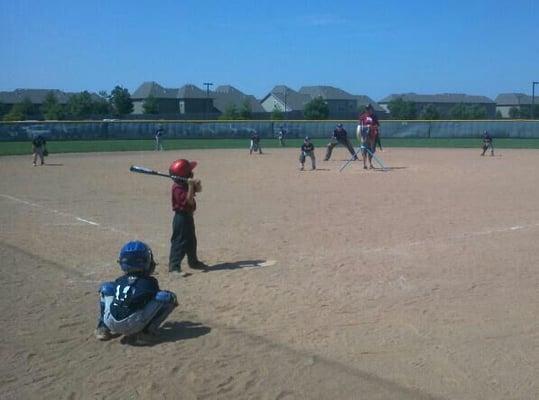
(198, 186)
(45, 153)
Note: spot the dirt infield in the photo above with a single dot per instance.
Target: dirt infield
(416, 283)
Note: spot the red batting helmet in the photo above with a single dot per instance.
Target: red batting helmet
(182, 168)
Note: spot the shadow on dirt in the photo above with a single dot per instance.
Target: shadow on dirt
(172, 332)
(235, 265)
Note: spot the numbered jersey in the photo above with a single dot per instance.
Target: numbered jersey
(131, 294)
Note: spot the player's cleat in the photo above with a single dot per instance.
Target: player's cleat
(198, 265)
(180, 273)
(103, 333)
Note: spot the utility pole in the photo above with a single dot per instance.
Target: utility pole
(207, 84)
(285, 92)
(533, 99)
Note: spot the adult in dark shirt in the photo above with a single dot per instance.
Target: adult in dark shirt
(133, 305)
(183, 240)
(487, 143)
(39, 149)
(339, 136)
(307, 150)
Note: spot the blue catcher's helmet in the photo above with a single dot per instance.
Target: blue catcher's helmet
(136, 257)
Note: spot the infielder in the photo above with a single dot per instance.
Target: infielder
(487, 143)
(255, 143)
(307, 150)
(39, 149)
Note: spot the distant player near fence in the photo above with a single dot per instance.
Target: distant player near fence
(159, 139)
(281, 136)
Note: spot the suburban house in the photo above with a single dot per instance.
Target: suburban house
(341, 104)
(188, 99)
(226, 96)
(443, 103)
(284, 99)
(35, 96)
(507, 101)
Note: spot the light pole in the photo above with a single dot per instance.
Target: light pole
(533, 99)
(207, 84)
(285, 102)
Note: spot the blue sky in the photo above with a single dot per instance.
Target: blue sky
(366, 47)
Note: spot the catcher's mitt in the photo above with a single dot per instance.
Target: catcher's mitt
(198, 186)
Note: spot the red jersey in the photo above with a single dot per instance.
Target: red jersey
(367, 119)
(179, 199)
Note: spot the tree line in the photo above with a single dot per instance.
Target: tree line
(83, 105)
(402, 109)
(118, 103)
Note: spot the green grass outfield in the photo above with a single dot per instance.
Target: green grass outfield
(85, 146)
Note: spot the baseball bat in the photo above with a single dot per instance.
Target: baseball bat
(144, 170)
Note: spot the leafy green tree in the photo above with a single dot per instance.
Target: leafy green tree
(245, 110)
(317, 108)
(402, 109)
(276, 114)
(21, 111)
(231, 113)
(498, 114)
(524, 112)
(121, 101)
(463, 111)
(4, 109)
(459, 111)
(51, 109)
(477, 111)
(101, 104)
(429, 113)
(81, 106)
(150, 105)
(514, 113)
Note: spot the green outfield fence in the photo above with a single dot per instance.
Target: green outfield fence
(100, 130)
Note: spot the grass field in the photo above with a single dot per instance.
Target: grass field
(85, 146)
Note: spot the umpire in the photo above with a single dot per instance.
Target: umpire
(339, 136)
